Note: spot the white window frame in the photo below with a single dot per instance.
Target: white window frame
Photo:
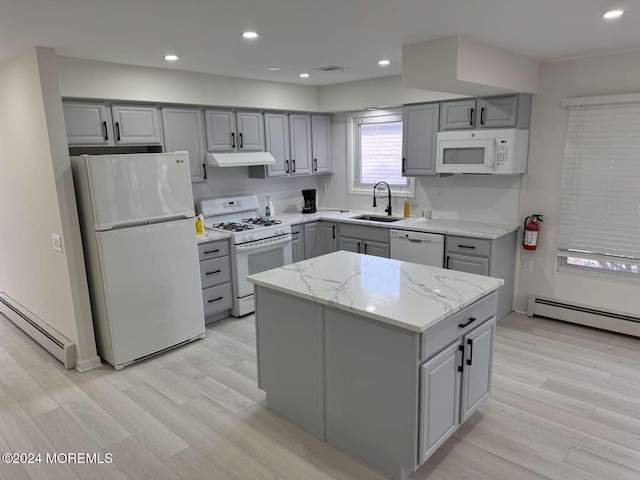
(353, 120)
(563, 256)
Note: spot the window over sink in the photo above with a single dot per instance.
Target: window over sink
(375, 152)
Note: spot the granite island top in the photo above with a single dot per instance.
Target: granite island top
(464, 228)
(407, 295)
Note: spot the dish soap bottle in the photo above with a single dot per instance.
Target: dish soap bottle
(200, 225)
(268, 209)
(406, 207)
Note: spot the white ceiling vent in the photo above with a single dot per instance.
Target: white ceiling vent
(331, 68)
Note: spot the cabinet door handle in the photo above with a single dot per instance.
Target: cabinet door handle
(359, 247)
(204, 169)
(334, 231)
(241, 141)
(365, 247)
(473, 111)
(106, 133)
(471, 247)
(287, 163)
(470, 359)
(215, 300)
(482, 115)
(447, 262)
(211, 251)
(465, 325)
(404, 161)
(461, 349)
(233, 140)
(315, 164)
(293, 165)
(118, 131)
(214, 272)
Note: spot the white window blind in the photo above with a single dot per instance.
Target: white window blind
(380, 152)
(600, 206)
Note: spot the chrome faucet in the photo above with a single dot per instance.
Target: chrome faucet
(388, 209)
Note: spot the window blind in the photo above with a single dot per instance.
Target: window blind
(380, 152)
(600, 205)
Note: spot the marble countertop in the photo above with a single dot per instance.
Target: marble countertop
(464, 228)
(407, 295)
(210, 236)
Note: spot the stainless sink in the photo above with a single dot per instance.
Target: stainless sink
(378, 218)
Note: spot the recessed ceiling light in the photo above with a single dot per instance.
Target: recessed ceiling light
(171, 58)
(273, 69)
(611, 14)
(250, 35)
(304, 75)
(384, 63)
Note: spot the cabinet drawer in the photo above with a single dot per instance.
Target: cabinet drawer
(375, 234)
(214, 272)
(213, 250)
(448, 331)
(216, 299)
(468, 246)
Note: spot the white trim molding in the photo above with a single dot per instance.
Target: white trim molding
(602, 100)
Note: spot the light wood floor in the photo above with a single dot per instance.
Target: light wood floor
(565, 405)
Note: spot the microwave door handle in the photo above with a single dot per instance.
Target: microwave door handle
(493, 153)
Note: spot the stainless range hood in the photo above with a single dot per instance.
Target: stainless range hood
(240, 159)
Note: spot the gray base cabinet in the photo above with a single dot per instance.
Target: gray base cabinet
(385, 395)
(495, 258)
(329, 234)
(367, 240)
(297, 243)
(312, 240)
(215, 275)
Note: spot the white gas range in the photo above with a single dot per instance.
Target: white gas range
(257, 243)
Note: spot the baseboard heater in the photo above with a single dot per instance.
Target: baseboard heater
(584, 315)
(51, 340)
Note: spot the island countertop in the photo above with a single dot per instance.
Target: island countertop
(407, 295)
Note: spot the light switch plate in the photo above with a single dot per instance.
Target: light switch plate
(57, 242)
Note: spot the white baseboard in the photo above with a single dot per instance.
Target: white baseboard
(88, 364)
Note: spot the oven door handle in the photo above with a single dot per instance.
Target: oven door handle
(247, 247)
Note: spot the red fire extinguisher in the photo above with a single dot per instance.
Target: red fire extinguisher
(531, 230)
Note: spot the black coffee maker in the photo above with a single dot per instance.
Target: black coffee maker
(309, 195)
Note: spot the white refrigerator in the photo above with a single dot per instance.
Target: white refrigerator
(138, 232)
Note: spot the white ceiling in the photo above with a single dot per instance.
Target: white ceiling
(299, 35)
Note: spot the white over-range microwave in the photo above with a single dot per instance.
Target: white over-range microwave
(501, 151)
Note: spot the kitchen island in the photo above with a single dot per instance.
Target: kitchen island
(380, 358)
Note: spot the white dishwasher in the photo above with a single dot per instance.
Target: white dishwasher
(418, 247)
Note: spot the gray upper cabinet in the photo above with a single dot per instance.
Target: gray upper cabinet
(276, 127)
(229, 131)
(250, 127)
(419, 142)
(497, 112)
(221, 130)
(321, 126)
(300, 131)
(513, 111)
(136, 125)
(184, 131)
(459, 115)
(88, 124)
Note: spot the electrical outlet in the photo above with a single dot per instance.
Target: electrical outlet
(528, 265)
(441, 192)
(57, 242)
